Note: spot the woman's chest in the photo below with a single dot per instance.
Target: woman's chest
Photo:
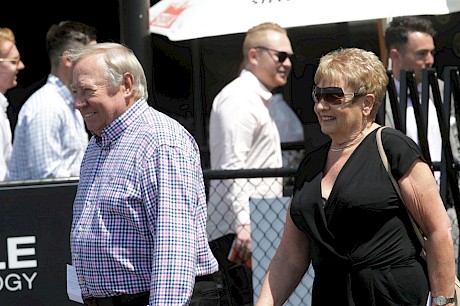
(332, 169)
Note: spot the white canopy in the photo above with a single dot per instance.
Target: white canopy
(189, 19)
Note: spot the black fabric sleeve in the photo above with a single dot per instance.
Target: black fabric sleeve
(401, 151)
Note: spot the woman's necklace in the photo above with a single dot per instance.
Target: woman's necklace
(344, 147)
(353, 143)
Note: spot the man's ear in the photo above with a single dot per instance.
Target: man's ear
(65, 60)
(128, 84)
(252, 55)
(394, 54)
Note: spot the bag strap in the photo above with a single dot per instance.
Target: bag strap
(384, 158)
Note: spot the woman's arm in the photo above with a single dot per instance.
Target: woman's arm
(422, 198)
(287, 267)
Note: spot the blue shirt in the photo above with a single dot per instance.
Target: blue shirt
(139, 220)
(50, 137)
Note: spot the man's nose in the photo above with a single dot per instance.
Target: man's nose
(429, 59)
(79, 102)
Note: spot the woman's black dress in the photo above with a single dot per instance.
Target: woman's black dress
(363, 248)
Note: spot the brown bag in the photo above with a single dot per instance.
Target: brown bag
(418, 231)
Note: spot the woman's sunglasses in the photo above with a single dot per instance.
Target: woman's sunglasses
(333, 95)
(14, 60)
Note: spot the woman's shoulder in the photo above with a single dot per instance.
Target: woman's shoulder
(392, 131)
(312, 163)
(394, 138)
(400, 149)
(315, 153)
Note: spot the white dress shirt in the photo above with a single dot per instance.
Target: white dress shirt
(50, 137)
(433, 135)
(5, 138)
(242, 135)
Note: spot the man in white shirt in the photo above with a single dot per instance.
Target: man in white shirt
(50, 138)
(10, 65)
(243, 134)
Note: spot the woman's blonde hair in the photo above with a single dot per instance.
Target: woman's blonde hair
(6, 34)
(359, 69)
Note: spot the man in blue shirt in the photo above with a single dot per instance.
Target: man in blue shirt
(50, 136)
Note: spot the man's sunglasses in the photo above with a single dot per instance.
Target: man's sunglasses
(281, 56)
(333, 95)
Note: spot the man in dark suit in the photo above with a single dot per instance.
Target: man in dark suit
(410, 46)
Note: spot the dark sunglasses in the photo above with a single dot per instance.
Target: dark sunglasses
(333, 95)
(281, 56)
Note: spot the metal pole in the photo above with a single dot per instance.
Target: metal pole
(134, 33)
(198, 95)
